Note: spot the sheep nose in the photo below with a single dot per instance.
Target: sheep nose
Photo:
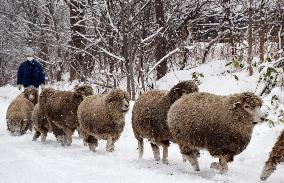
(254, 123)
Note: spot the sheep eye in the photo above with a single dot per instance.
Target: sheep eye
(246, 106)
(184, 91)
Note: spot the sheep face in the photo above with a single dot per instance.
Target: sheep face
(16, 128)
(256, 113)
(83, 91)
(118, 100)
(31, 94)
(125, 105)
(251, 103)
(183, 88)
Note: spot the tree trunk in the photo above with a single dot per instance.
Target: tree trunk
(261, 44)
(43, 45)
(129, 47)
(144, 24)
(262, 33)
(161, 42)
(249, 57)
(126, 49)
(77, 43)
(111, 43)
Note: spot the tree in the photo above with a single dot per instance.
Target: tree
(250, 41)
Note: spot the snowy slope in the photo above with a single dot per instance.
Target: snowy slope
(22, 160)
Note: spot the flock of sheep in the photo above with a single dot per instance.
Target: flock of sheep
(194, 120)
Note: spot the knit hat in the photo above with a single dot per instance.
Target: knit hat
(29, 52)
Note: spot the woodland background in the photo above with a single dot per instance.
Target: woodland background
(133, 43)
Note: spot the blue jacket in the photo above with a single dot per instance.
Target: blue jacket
(30, 73)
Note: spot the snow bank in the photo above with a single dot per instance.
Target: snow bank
(216, 79)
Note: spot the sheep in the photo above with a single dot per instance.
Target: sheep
(102, 117)
(60, 108)
(149, 117)
(276, 156)
(19, 112)
(221, 124)
(42, 127)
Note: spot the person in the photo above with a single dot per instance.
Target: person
(30, 72)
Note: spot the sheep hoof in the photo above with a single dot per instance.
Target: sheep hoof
(223, 170)
(43, 139)
(157, 158)
(110, 149)
(34, 138)
(166, 162)
(85, 143)
(93, 150)
(92, 147)
(184, 158)
(197, 169)
(214, 165)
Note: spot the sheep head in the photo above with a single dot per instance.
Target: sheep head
(118, 100)
(183, 88)
(17, 128)
(250, 103)
(83, 91)
(31, 94)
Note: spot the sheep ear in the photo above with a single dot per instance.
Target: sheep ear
(237, 104)
(110, 98)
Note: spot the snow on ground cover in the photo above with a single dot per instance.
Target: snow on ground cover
(216, 80)
(22, 160)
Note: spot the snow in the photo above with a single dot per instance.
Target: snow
(25, 161)
(216, 79)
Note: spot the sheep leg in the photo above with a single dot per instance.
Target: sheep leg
(68, 132)
(36, 135)
(92, 142)
(30, 126)
(85, 137)
(140, 146)
(192, 158)
(222, 165)
(268, 169)
(110, 145)
(58, 133)
(165, 155)
(43, 136)
(156, 151)
(165, 145)
(62, 139)
(79, 132)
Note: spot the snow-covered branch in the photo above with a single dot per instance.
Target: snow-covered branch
(161, 60)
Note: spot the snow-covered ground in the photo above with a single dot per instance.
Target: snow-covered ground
(22, 160)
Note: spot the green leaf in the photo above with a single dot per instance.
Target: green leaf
(236, 77)
(228, 63)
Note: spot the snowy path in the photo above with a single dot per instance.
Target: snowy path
(25, 161)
